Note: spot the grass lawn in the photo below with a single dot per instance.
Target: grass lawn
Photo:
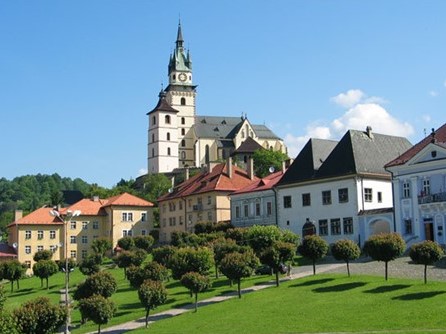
(322, 303)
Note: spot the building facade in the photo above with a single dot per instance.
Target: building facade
(419, 189)
(113, 218)
(179, 138)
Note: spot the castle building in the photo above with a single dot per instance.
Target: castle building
(179, 138)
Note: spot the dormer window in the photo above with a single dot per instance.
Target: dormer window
(434, 154)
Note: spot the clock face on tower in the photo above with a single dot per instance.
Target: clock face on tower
(182, 77)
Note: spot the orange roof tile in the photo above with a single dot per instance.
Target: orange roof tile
(216, 180)
(38, 217)
(88, 207)
(127, 199)
(268, 182)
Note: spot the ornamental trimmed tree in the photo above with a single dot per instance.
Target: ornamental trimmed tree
(385, 247)
(13, 270)
(44, 269)
(277, 255)
(188, 259)
(236, 266)
(345, 250)
(144, 242)
(262, 237)
(39, 316)
(91, 264)
(98, 309)
(427, 253)
(163, 254)
(196, 283)
(313, 247)
(151, 294)
(126, 243)
(102, 283)
(101, 246)
(152, 270)
(221, 247)
(44, 254)
(126, 259)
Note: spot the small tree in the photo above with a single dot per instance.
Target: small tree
(427, 253)
(196, 283)
(13, 270)
(44, 254)
(236, 266)
(239, 234)
(262, 237)
(91, 264)
(345, 250)
(385, 247)
(101, 246)
(126, 243)
(126, 259)
(314, 248)
(264, 159)
(144, 242)
(151, 294)
(102, 283)
(277, 255)
(97, 308)
(44, 269)
(163, 254)
(188, 259)
(222, 247)
(39, 316)
(152, 270)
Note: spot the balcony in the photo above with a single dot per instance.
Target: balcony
(434, 203)
(433, 198)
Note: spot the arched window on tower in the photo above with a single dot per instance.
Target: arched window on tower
(153, 120)
(183, 143)
(183, 101)
(183, 132)
(153, 152)
(168, 151)
(153, 137)
(167, 119)
(168, 136)
(206, 155)
(183, 120)
(183, 155)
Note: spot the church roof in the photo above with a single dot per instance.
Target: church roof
(248, 146)
(162, 105)
(436, 137)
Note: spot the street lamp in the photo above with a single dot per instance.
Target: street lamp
(66, 218)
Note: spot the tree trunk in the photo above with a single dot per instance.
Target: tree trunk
(18, 284)
(277, 277)
(99, 329)
(348, 268)
(425, 273)
(386, 269)
(216, 271)
(47, 286)
(238, 288)
(147, 317)
(196, 301)
(314, 267)
(12, 286)
(41, 282)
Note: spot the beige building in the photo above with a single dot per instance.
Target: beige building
(201, 198)
(114, 218)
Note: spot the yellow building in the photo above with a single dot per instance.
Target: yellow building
(113, 218)
(201, 198)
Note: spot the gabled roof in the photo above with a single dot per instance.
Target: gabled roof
(127, 199)
(248, 146)
(163, 105)
(216, 180)
(308, 161)
(266, 183)
(88, 207)
(436, 137)
(38, 217)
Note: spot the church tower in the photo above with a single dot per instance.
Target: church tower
(170, 137)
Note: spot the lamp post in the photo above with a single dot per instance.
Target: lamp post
(66, 218)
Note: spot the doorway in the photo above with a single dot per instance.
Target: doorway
(429, 230)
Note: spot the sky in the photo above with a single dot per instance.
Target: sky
(78, 77)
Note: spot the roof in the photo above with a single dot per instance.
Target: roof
(7, 251)
(38, 217)
(308, 161)
(88, 207)
(127, 199)
(375, 211)
(436, 137)
(216, 180)
(248, 146)
(266, 183)
(162, 105)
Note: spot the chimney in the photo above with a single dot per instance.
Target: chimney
(18, 215)
(95, 198)
(250, 168)
(283, 167)
(369, 131)
(229, 167)
(186, 172)
(211, 165)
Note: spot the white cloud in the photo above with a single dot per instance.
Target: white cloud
(348, 99)
(426, 118)
(142, 171)
(433, 93)
(295, 144)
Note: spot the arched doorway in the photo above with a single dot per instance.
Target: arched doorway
(379, 226)
(308, 229)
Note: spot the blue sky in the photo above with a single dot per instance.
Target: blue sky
(78, 77)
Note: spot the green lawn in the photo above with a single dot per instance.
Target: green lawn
(322, 303)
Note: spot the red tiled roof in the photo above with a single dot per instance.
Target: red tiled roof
(88, 207)
(268, 182)
(216, 180)
(7, 251)
(38, 217)
(127, 199)
(439, 139)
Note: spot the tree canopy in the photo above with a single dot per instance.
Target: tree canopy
(264, 159)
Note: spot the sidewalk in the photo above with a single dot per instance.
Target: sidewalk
(296, 273)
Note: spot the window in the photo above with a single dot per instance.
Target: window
(73, 239)
(426, 187)
(168, 136)
(143, 232)
(73, 225)
(153, 138)
(326, 197)
(154, 120)
(164, 222)
(269, 208)
(380, 197)
(183, 120)
(335, 225)
(28, 264)
(168, 151)
(237, 212)
(209, 200)
(39, 235)
(84, 225)
(143, 216)
(85, 239)
(323, 227)
(306, 199)
(167, 119)
(368, 194)
(27, 234)
(408, 226)
(180, 205)
(27, 249)
(183, 101)
(245, 210)
(189, 202)
(39, 248)
(180, 220)
(348, 225)
(53, 248)
(287, 202)
(209, 216)
(84, 253)
(183, 132)
(127, 216)
(406, 189)
(52, 234)
(183, 143)
(258, 208)
(95, 225)
(153, 152)
(73, 254)
(343, 195)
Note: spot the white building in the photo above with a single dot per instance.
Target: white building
(332, 186)
(178, 137)
(419, 188)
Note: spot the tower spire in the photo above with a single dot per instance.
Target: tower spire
(180, 40)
